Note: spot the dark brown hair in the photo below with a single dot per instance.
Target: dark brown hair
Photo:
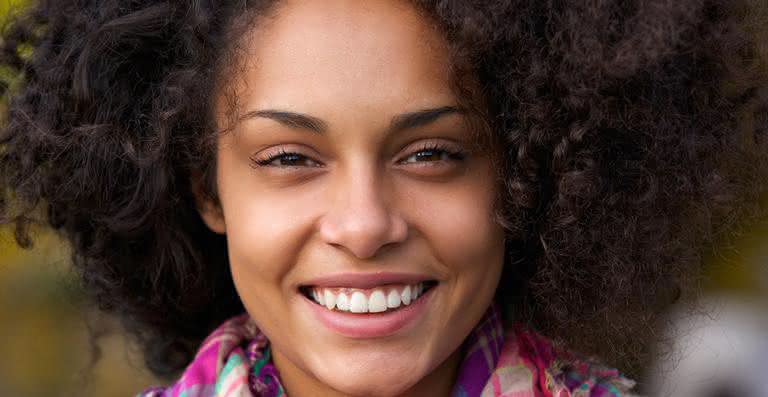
(633, 136)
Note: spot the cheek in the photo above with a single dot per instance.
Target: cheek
(458, 224)
(266, 228)
(265, 232)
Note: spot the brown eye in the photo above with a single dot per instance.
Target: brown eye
(434, 153)
(285, 159)
(428, 155)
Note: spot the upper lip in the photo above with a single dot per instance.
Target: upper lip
(366, 280)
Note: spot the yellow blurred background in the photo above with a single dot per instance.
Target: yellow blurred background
(52, 342)
(47, 326)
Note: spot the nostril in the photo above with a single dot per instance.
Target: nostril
(363, 231)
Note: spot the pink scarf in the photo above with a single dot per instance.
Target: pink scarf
(235, 360)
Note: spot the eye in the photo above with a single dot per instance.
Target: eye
(434, 152)
(285, 159)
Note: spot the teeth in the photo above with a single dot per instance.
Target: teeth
(342, 302)
(330, 299)
(377, 302)
(393, 299)
(318, 296)
(406, 295)
(356, 301)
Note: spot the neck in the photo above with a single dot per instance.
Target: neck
(298, 383)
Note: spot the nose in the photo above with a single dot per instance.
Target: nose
(361, 219)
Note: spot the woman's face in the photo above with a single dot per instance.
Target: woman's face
(350, 170)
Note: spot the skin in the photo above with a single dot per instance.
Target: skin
(362, 197)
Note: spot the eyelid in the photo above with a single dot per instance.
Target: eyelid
(272, 155)
(455, 151)
(441, 145)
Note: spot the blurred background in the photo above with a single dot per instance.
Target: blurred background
(46, 328)
(719, 346)
(53, 343)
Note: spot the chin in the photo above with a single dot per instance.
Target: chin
(364, 381)
(379, 389)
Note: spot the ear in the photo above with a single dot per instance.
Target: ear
(208, 208)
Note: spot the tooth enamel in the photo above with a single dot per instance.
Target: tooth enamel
(358, 303)
(342, 302)
(377, 302)
(393, 299)
(374, 300)
(330, 299)
(405, 296)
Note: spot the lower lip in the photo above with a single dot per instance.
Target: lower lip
(370, 325)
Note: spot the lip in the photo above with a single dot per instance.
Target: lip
(370, 325)
(366, 280)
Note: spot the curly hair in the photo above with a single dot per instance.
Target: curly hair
(633, 137)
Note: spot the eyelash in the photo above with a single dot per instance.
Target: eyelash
(282, 153)
(453, 155)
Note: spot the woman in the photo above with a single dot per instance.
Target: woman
(403, 198)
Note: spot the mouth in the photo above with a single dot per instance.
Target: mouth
(383, 298)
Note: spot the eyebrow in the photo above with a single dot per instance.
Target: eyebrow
(290, 119)
(400, 122)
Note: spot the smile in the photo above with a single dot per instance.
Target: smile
(369, 300)
(369, 305)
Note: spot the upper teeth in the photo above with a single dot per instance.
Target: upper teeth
(366, 301)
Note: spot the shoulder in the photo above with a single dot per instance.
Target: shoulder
(221, 362)
(531, 366)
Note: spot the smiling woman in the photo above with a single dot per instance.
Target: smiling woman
(354, 174)
(386, 198)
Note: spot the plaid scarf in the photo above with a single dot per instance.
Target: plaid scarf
(235, 360)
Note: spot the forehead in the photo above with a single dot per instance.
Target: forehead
(357, 54)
